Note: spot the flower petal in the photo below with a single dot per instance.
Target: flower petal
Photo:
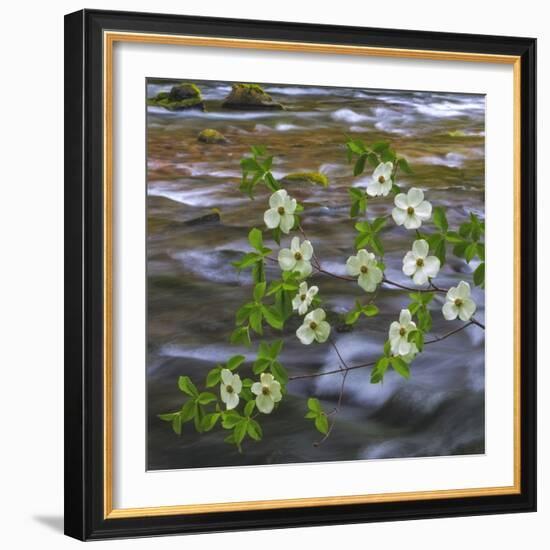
(415, 196)
(420, 248)
(286, 258)
(399, 215)
(423, 210)
(412, 221)
(318, 315)
(266, 378)
(374, 189)
(272, 218)
(393, 333)
(264, 403)
(304, 268)
(289, 205)
(302, 308)
(226, 376)
(305, 334)
(295, 244)
(322, 332)
(232, 401)
(307, 250)
(420, 276)
(312, 292)
(256, 388)
(366, 283)
(467, 309)
(237, 384)
(405, 317)
(463, 290)
(401, 201)
(409, 264)
(404, 347)
(353, 266)
(431, 266)
(287, 223)
(385, 187)
(450, 311)
(277, 199)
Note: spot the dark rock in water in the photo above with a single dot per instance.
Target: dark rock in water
(211, 136)
(250, 97)
(315, 178)
(180, 97)
(212, 217)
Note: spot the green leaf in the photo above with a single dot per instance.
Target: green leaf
(258, 150)
(273, 317)
(388, 155)
(380, 368)
(213, 377)
(230, 419)
(186, 386)
(387, 348)
(167, 417)
(370, 310)
(404, 166)
(256, 320)
(249, 408)
(362, 240)
(401, 367)
(235, 361)
(470, 252)
(373, 159)
(311, 415)
(454, 238)
(355, 193)
(321, 423)
(255, 239)
(187, 411)
(314, 405)
(258, 272)
(176, 424)
(356, 146)
(250, 165)
(209, 421)
(275, 348)
(240, 431)
(479, 274)
(279, 372)
(378, 224)
(260, 365)
(380, 146)
(440, 251)
(259, 291)
(440, 219)
(254, 430)
(206, 397)
(352, 317)
(247, 260)
(199, 415)
(359, 167)
(240, 335)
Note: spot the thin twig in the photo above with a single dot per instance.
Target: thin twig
(372, 363)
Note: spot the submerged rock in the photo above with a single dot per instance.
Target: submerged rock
(211, 136)
(250, 97)
(180, 97)
(211, 217)
(316, 178)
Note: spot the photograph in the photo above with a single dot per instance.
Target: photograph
(315, 273)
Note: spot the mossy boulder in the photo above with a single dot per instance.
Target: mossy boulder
(315, 178)
(211, 136)
(180, 97)
(250, 97)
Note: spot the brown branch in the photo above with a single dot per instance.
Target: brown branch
(372, 363)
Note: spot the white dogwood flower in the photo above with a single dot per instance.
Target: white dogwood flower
(364, 267)
(281, 212)
(381, 182)
(314, 328)
(418, 265)
(230, 388)
(267, 391)
(459, 304)
(303, 299)
(399, 332)
(297, 257)
(411, 209)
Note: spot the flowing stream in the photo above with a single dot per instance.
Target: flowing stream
(193, 291)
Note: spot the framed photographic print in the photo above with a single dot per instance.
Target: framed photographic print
(300, 274)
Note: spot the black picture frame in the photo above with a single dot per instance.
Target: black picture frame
(84, 282)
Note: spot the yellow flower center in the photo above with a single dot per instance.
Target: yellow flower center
(265, 390)
(402, 331)
(410, 211)
(298, 256)
(229, 389)
(303, 297)
(313, 325)
(364, 269)
(281, 210)
(381, 179)
(420, 262)
(458, 302)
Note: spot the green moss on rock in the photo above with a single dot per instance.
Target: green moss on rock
(250, 97)
(211, 136)
(315, 178)
(180, 97)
